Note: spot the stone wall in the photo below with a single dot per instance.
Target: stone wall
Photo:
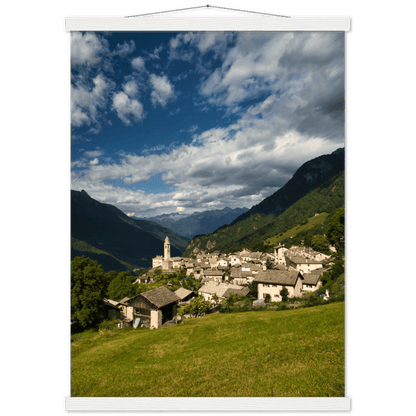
(156, 318)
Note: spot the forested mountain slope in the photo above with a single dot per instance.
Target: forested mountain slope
(106, 228)
(253, 232)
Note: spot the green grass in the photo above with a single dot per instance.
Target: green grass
(311, 223)
(294, 353)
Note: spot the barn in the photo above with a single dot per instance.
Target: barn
(155, 307)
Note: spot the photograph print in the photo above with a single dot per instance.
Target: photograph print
(207, 214)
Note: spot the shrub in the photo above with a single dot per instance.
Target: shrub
(107, 325)
(284, 293)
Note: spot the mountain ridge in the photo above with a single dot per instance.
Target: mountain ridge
(106, 228)
(197, 223)
(307, 177)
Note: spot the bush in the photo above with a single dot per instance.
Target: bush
(107, 325)
(312, 300)
(284, 293)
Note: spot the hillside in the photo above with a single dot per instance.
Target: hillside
(308, 177)
(108, 230)
(293, 353)
(205, 222)
(252, 233)
(106, 260)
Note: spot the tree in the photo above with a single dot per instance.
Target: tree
(197, 306)
(284, 293)
(320, 243)
(88, 288)
(109, 276)
(336, 229)
(122, 286)
(269, 263)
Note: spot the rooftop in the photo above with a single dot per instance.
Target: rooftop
(280, 277)
(182, 292)
(160, 296)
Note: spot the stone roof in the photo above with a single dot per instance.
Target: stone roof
(313, 277)
(279, 277)
(182, 293)
(112, 303)
(223, 267)
(244, 291)
(235, 273)
(218, 288)
(160, 296)
(301, 260)
(176, 258)
(124, 301)
(214, 273)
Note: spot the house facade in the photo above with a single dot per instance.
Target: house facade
(271, 282)
(302, 264)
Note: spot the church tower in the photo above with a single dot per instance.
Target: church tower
(167, 248)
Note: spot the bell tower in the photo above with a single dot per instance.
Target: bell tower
(167, 249)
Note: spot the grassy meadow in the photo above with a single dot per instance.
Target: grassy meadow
(311, 223)
(292, 353)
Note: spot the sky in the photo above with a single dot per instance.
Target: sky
(186, 122)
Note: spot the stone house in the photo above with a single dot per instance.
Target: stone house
(189, 267)
(234, 260)
(198, 272)
(214, 275)
(143, 279)
(157, 261)
(271, 282)
(302, 264)
(246, 255)
(311, 280)
(176, 262)
(279, 257)
(214, 288)
(240, 277)
(154, 307)
(223, 262)
(185, 295)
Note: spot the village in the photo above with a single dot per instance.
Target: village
(297, 269)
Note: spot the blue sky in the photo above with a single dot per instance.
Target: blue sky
(185, 122)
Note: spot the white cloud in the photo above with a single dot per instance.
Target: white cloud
(138, 64)
(124, 49)
(86, 48)
(131, 88)
(127, 109)
(85, 103)
(162, 90)
(93, 153)
(242, 163)
(235, 166)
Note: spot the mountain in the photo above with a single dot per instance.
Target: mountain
(317, 187)
(106, 260)
(308, 177)
(165, 219)
(205, 222)
(99, 230)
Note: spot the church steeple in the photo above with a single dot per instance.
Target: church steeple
(167, 248)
